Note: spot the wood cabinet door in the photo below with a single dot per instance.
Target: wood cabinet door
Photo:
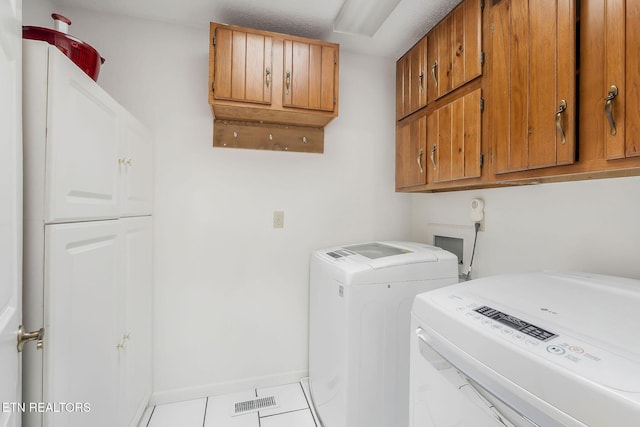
(411, 140)
(242, 66)
(454, 50)
(466, 36)
(417, 75)
(81, 282)
(411, 84)
(309, 79)
(82, 175)
(403, 99)
(621, 75)
(454, 135)
(532, 89)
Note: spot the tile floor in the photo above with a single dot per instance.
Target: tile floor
(292, 410)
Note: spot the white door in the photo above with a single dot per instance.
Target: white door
(82, 343)
(10, 207)
(82, 172)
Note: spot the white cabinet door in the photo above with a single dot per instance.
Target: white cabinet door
(136, 320)
(81, 351)
(82, 173)
(135, 167)
(10, 208)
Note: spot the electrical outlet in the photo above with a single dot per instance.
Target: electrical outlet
(278, 219)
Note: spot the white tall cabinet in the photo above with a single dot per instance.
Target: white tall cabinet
(87, 248)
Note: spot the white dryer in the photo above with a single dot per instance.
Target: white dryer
(535, 349)
(360, 303)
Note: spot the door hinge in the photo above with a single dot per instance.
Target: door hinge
(481, 160)
(482, 104)
(213, 86)
(482, 58)
(214, 40)
(335, 59)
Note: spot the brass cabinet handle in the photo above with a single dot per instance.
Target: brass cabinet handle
(25, 337)
(267, 77)
(433, 72)
(608, 108)
(561, 109)
(288, 81)
(421, 80)
(420, 153)
(433, 150)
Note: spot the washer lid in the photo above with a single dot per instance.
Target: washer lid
(375, 250)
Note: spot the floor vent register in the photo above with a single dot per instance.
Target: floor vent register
(249, 406)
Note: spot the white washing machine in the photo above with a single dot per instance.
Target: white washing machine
(535, 349)
(360, 303)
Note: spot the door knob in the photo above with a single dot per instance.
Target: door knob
(25, 337)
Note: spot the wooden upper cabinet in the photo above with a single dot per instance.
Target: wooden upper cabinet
(454, 139)
(621, 86)
(454, 50)
(411, 85)
(270, 78)
(242, 66)
(309, 75)
(532, 96)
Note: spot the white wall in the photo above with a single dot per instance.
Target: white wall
(591, 226)
(231, 294)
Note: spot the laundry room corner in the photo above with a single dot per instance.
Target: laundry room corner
(580, 226)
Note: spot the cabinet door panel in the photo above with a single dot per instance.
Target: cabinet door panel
(444, 158)
(444, 69)
(80, 312)
(458, 139)
(532, 72)
(566, 81)
(411, 153)
(614, 60)
(417, 75)
(309, 78)
(82, 179)
(432, 65)
(241, 62)
(472, 39)
(402, 87)
(542, 94)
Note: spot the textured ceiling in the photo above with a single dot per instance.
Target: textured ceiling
(307, 18)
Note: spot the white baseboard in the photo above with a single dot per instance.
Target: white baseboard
(198, 392)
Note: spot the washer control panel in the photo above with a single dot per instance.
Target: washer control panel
(587, 360)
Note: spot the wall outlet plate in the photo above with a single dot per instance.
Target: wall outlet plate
(278, 219)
